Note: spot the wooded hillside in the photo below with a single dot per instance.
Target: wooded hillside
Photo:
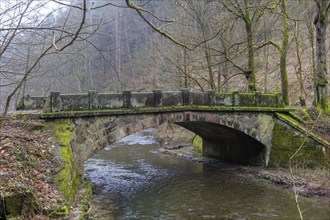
(139, 45)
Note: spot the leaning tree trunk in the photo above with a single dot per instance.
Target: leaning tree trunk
(321, 22)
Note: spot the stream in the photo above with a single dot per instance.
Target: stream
(133, 179)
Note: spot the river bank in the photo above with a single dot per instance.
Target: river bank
(302, 181)
(28, 165)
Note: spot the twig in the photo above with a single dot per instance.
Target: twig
(54, 42)
(296, 192)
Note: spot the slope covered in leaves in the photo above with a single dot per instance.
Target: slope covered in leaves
(27, 163)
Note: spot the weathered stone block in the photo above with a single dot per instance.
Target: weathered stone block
(93, 100)
(142, 99)
(247, 99)
(158, 97)
(28, 102)
(75, 101)
(185, 96)
(127, 99)
(172, 98)
(56, 101)
(199, 98)
(108, 101)
(236, 98)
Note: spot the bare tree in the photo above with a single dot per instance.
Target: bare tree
(243, 12)
(27, 19)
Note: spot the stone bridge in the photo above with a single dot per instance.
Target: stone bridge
(247, 136)
(249, 129)
(243, 128)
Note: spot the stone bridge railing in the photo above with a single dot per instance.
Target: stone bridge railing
(127, 99)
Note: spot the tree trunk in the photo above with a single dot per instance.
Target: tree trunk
(321, 22)
(118, 48)
(186, 79)
(250, 73)
(266, 55)
(226, 84)
(284, 51)
(311, 39)
(209, 67)
(302, 97)
(219, 79)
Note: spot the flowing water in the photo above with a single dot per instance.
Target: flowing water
(134, 180)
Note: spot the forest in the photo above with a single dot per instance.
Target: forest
(74, 46)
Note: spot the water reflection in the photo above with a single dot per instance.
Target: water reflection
(133, 180)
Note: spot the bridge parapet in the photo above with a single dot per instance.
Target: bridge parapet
(92, 100)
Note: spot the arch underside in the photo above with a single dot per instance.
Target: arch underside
(228, 144)
(220, 139)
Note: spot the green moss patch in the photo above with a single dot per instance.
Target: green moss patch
(295, 124)
(198, 142)
(13, 205)
(67, 179)
(286, 142)
(301, 115)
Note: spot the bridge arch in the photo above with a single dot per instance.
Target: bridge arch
(240, 138)
(227, 143)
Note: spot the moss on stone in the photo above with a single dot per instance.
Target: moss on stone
(301, 115)
(295, 124)
(198, 142)
(286, 142)
(67, 179)
(13, 205)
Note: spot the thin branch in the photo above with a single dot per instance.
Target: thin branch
(209, 39)
(78, 31)
(37, 61)
(54, 42)
(15, 30)
(68, 5)
(139, 10)
(105, 5)
(270, 42)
